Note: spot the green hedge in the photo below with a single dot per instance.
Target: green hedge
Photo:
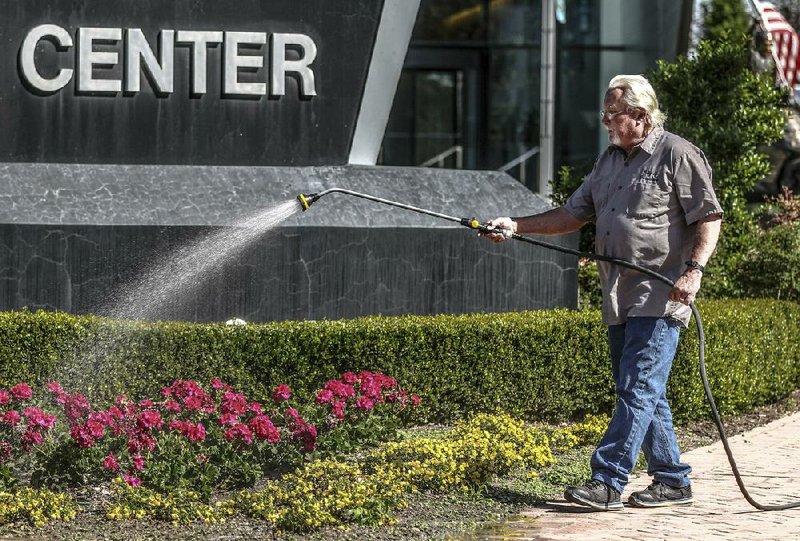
(546, 365)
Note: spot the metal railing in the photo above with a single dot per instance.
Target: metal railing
(439, 159)
(520, 161)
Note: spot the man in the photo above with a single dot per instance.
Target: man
(651, 198)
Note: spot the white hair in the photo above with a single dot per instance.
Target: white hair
(639, 93)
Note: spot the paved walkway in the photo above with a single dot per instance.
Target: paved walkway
(768, 458)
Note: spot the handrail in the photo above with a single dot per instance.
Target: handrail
(439, 159)
(520, 160)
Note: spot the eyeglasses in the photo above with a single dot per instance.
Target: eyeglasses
(611, 114)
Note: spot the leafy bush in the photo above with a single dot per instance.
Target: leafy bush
(770, 266)
(545, 365)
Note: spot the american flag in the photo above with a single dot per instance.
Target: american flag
(785, 43)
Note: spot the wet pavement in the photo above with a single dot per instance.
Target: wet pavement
(768, 458)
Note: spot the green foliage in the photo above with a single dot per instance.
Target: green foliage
(770, 266)
(724, 17)
(544, 365)
(716, 102)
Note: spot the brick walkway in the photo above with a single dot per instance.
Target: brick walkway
(769, 460)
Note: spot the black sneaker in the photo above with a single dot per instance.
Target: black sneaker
(660, 494)
(595, 494)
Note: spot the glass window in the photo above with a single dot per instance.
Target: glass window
(451, 20)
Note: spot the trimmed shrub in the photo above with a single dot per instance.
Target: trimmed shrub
(543, 365)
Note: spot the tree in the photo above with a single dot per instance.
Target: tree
(721, 17)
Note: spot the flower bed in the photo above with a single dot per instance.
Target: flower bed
(166, 457)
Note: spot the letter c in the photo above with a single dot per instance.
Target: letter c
(27, 65)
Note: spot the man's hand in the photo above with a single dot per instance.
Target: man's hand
(686, 287)
(500, 223)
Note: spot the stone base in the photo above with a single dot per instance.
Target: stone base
(76, 234)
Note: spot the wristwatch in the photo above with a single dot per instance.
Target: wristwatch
(695, 265)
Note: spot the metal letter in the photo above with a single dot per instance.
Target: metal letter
(233, 61)
(280, 66)
(200, 41)
(161, 71)
(88, 58)
(27, 63)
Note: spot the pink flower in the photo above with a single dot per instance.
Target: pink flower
(239, 433)
(39, 418)
(281, 393)
(149, 419)
(340, 390)
(337, 409)
(263, 428)
(195, 432)
(5, 397)
(21, 391)
(95, 428)
(10, 418)
(172, 406)
(307, 434)
(255, 407)
(217, 384)
(415, 400)
(146, 404)
(55, 388)
(349, 378)
(132, 480)
(138, 462)
(324, 396)
(233, 403)
(76, 407)
(228, 419)
(30, 438)
(365, 403)
(110, 463)
(81, 436)
(293, 414)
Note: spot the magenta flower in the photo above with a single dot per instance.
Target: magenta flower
(81, 436)
(149, 419)
(21, 391)
(30, 438)
(324, 396)
(262, 427)
(365, 403)
(172, 406)
(228, 419)
(281, 393)
(132, 480)
(239, 433)
(110, 463)
(10, 418)
(55, 388)
(39, 418)
(307, 434)
(138, 462)
(5, 397)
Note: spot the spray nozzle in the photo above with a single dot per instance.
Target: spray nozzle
(307, 199)
(485, 227)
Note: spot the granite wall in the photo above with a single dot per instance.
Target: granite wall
(72, 236)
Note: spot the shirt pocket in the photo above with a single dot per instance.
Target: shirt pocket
(649, 193)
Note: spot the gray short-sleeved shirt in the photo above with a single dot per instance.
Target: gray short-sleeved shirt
(646, 207)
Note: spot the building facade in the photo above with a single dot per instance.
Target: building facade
(469, 92)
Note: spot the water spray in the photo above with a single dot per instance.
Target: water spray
(306, 200)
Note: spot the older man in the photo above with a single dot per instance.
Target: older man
(651, 198)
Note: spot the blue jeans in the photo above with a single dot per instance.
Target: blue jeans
(642, 350)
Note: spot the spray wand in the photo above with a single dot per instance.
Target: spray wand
(306, 200)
